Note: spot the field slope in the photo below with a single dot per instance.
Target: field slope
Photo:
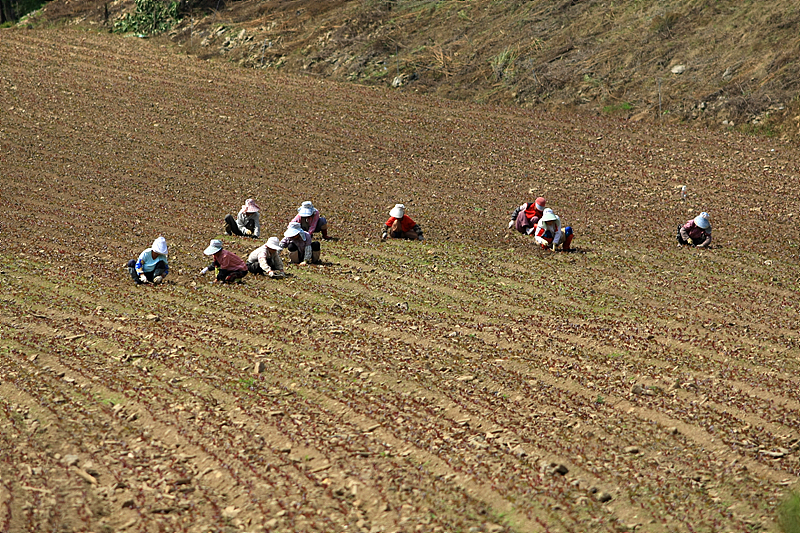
(467, 383)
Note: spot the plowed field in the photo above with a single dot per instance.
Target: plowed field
(466, 383)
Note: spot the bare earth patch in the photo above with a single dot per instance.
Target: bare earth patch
(468, 383)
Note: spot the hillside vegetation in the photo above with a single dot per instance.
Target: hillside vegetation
(721, 63)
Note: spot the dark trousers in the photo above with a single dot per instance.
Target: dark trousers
(159, 270)
(315, 247)
(255, 268)
(234, 227)
(230, 275)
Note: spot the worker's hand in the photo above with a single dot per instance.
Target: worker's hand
(142, 278)
(247, 232)
(384, 235)
(510, 224)
(701, 245)
(204, 271)
(689, 240)
(303, 263)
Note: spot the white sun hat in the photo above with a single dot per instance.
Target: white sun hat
(213, 247)
(702, 220)
(306, 209)
(274, 243)
(293, 229)
(548, 215)
(398, 211)
(160, 246)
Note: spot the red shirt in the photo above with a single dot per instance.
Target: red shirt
(226, 260)
(406, 224)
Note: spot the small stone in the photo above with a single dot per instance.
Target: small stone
(154, 318)
(631, 449)
(602, 496)
(259, 367)
(465, 378)
(678, 69)
(71, 460)
(637, 389)
(555, 468)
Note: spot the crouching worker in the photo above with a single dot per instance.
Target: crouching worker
(301, 248)
(549, 233)
(266, 259)
(310, 220)
(525, 217)
(696, 232)
(228, 266)
(400, 225)
(151, 266)
(246, 223)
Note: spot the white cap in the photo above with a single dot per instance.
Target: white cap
(548, 215)
(160, 246)
(702, 220)
(293, 229)
(214, 246)
(274, 243)
(398, 211)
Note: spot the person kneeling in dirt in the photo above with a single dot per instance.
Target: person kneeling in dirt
(247, 222)
(228, 266)
(151, 266)
(302, 249)
(696, 232)
(549, 233)
(400, 225)
(525, 217)
(310, 220)
(266, 259)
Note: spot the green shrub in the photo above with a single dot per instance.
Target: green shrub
(150, 18)
(503, 64)
(618, 108)
(789, 514)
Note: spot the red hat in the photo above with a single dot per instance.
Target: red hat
(535, 209)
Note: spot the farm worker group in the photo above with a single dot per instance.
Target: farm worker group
(533, 218)
(151, 266)
(530, 218)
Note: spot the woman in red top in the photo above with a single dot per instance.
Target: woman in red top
(228, 266)
(400, 225)
(696, 232)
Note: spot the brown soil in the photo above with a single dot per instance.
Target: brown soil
(724, 64)
(467, 383)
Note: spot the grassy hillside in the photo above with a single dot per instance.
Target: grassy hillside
(721, 63)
